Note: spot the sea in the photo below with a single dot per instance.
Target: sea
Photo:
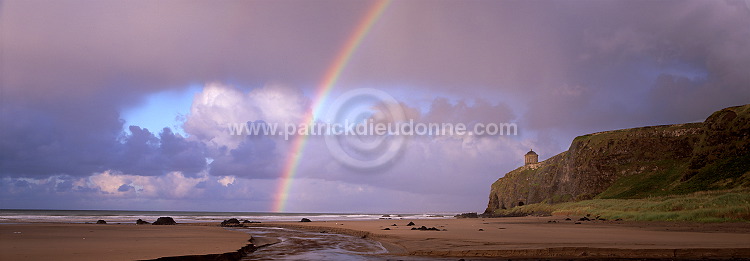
(292, 244)
(130, 216)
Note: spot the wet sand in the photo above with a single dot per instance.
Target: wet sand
(114, 242)
(534, 237)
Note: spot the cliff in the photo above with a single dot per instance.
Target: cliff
(636, 163)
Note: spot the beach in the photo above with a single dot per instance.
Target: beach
(61, 241)
(537, 237)
(516, 237)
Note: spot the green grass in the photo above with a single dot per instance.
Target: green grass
(648, 183)
(723, 174)
(707, 206)
(614, 134)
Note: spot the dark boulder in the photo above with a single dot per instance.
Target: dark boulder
(424, 228)
(141, 222)
(164, 221)
(232, 222)
(410, 224)
(101, 222)
(305, 220)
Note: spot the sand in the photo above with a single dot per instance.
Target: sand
(527, 237)
(534, 237)
(114, 242)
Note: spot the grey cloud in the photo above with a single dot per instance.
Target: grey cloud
(145, 154)
(182, 154)
(80, 152)
(125, 188)
(255, 157)
(480, 110)
(644, 63)
(55, 139)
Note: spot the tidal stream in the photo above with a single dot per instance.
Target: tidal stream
(305, 245)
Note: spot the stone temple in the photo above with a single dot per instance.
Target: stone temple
(531, 158)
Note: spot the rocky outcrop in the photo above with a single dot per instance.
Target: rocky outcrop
(165, 221)
(232, 222)
(637, 162)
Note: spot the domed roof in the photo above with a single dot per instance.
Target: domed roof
(531, 152)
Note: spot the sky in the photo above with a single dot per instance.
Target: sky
(125, 105)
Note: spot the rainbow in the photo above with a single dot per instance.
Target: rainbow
(324, 88)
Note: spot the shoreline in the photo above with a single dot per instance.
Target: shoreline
(535, 237)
